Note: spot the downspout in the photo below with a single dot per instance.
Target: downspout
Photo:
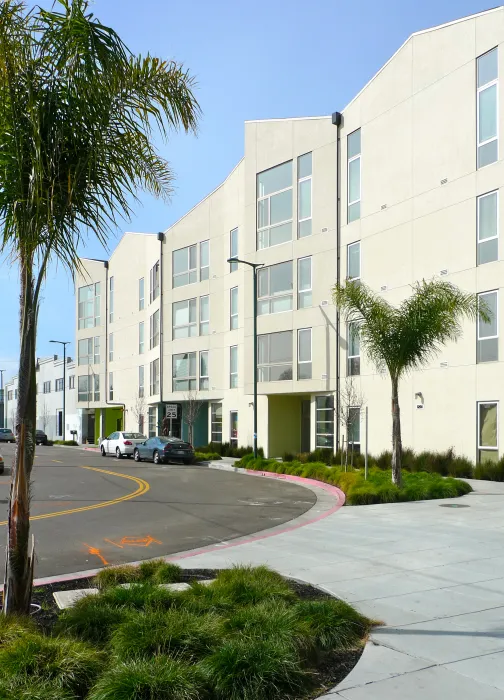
(336, 120)
(107, 402)
(161, 238)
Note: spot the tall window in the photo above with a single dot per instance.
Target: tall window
(233, 366)
(204, 260)
(154, 282)
(304, 353)
(274, 293)
(233, 248)
(96, 383)
(152, 421)
(353, 261)
(141, 338)
(111, 386)
(184, 372)
(184, 319)
(141, 382)
(304, 195)
(353, 425)
(488, 333)
(488, 227)
(111, 347)
(141, 294)
(274, 357)
(154, 330)
(47, 387)
(141, 421)
(274, 206)
(59, 384)
(354, 175)
(83, 393)
(203, 372)
(487, 92)
(233, 308)
(216, 422)
(304, 283)
(324, 422)
(154, 377)
(353, 352)
(88, 351)
(185, 266)
(111, 300)
(89, 306)
(488, 440)
(204, 311)
(71, 381)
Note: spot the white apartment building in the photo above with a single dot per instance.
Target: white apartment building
(50, 382)
(402, 185)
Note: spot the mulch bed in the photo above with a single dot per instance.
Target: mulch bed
(332, 669)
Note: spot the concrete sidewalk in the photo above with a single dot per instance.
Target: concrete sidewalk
(433, 574)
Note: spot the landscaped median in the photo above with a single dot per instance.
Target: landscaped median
(378, 487)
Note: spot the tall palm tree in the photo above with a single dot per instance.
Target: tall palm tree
(78, 113)
(407, 337)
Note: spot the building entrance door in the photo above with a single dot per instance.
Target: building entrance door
(91, 428)
(305, 425)
(233, 428)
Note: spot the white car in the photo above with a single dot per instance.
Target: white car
(121, 444)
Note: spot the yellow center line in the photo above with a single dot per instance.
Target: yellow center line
(57, 460)
(143, 487)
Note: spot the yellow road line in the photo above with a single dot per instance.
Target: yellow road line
(57, 460)
(143, 487)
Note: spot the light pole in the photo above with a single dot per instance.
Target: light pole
(64, 343)
(3, 397)
(255, 267)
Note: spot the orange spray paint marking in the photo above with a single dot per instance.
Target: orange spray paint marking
(97, 553)
(134, 542)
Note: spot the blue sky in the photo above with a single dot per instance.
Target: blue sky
(279, 59)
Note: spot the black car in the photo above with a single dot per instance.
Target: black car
(40, 437)
(164, 449)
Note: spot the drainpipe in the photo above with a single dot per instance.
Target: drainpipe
(107, 402)
(336, 120)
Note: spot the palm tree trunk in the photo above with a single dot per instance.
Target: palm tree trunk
(396, 436)
(19, 564)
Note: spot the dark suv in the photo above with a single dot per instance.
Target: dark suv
(40, 437)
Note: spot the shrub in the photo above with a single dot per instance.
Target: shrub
(13, 627)
(115, 575)
(201, 598)
(150, 680)
(245, 585)
(272, 619)
(90, 619)
(160, 571)
(333, 624)
(69, 443)
(490, 471)
(206, 456)
(139, 596)
(33, 691)
(225, 449)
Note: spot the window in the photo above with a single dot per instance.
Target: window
(15, 391)
(184, 319)
(88, 351)
(233, 428)
(83, 385)
(154, 282)
(274, 206)
(488, 227)
(304, 354)
(488, 441)
(59, 384)
(204, 313)
(274, 357)
(304, 283)
(71, 381)
(305, 195)
(47, 388)
(141, 339)
(353, 261)
(154, 377)
(216, 422)
(184, 372)
(353, 352)
(96, 382)
(89, 306)
(233, 248)
(203, 371)
(111, 300)
(141, 382)
(233, 366)
(354, 175)
(184, 266)
(274, 288)
(487, 117)
(152, 421)
(10, 396)
(111, 386)
(111, 347)
(324, 425)
(154, 330)
(141, 294)
(353, 426)
(204, 260)
(488, 333)
(141, 421)
(233, 308)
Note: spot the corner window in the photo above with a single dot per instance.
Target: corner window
(324, 422)
(304, 195)
(141, 294)
(141, 338)
(184, 372)
(204, 381)
(353, 261)
(233, 249)
(204, 310)
(233, 366)
(233, 308)
(89, 306)
(304, 283)
(354, 175)
(111, 300)
(184, 319)
(488, 333)
(353, 352)
(487, 114)
(111, 386)
(185, 266)
(304, 353)
(274, 206)
(154, 330)
(488, 440)
(141, 382)
(274, 357)
(154, 377)
(204, 260)
(154, 282)
(216, 422)
(274, 293)
(488, 227)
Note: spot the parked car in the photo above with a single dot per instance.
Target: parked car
(6, 435)
(2, 465)
(121, 444)
(40, 437)
(164, 449)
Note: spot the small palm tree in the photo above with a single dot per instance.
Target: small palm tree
(77, 113)
(404, 338)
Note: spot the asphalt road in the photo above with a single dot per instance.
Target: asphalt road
(89, 511)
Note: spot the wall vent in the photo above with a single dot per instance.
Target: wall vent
(444, 181)
(443, 272)
(383, 206)
(324, 303)
(383, 288)
(324, 230)
(443, 364)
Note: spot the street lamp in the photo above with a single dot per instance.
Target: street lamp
(255, 267)
(3, 397)
(64, 343)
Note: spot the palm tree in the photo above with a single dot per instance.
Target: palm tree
(405, 338)
(78, 114)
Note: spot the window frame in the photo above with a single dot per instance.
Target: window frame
(214, 422)
(141, 294)
(203, 377)
(233, 376)
(488, 337)
(141, 381)
(141, 337)
(317, 422)
(111, 347)
(233, 317)
(479, 447)
(154, 329)
(189, 269)
(190, 324)
(202, 276)
(260, 230)
(304, 362)
(189, 378)
(352, 159)
(96, 302)
(46, 387)
(234, 265)
(59, 384)
(308, 291)
(269, 298)
(299, 181)
(202, 321)
(349, 356)
(154, 386)
(111, 299)
(479, 90)
(71, 381)
(111, 386)
(354, 442)
(261, 367)
(349, 246)
(154, 282)
(491, 193)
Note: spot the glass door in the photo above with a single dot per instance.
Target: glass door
(233, 428)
